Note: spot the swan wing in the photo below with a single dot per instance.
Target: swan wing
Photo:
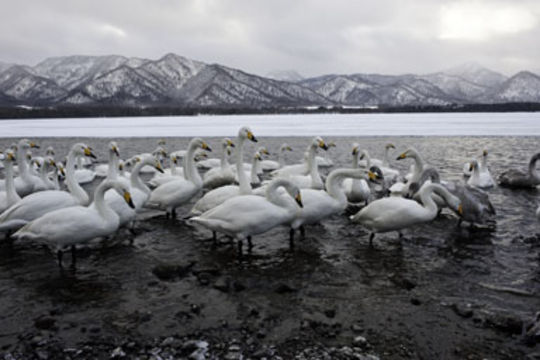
(214, 198)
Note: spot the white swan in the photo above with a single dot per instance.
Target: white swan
(480, 175)
(313, 179)
(76, 224)
(320, 204)
(254, 178)
(299, 169)
(37, 204)
(171, 195)
(44, 164)
(103, 170)
(325, 161)
(9, 196)
(385, 162)
(245, 215)
(222, 175)
(139, 191)
(160, 153)
(514, 178)
(391, 176)
(172, 173)
(83, 175)
(25, 182)
(270, 165)
(356, 190)
(215, 197)
(396, 213)
(416, 170)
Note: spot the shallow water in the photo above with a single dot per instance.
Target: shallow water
(400, 295)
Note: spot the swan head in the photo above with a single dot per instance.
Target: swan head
(257, 157)
(355, 148)
(285, 147)
(331, 144)
(292, 189)
(390, 146)
(162, 142)
(364, 155)
(113, 148)
(174, 159)
(246, 133)
(409, 153)
(27, 144)
(198, 143)
(473, 165)
(227, 143)
(413, 189)
(151, 160)
(28, 155)
(61, 169)
(9, 156)
(375, 174)
(263, 151)
(49, 151)
(50, 161)
(160, 151)
(318, 142)
(485, 153)
(81, 149)
(123, 191)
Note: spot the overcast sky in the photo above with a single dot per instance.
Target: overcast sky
(313, 37)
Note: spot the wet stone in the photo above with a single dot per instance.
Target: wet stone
(223, 284)
(284, 289)
(416, 301)
(463, 310)
(172, 272)
(44, 323)
(330, 313)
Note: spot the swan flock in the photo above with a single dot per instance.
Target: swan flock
(43, 201)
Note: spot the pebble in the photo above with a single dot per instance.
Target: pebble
(463, 310)
(118, 353)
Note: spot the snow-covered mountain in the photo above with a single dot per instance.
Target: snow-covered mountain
(285, 75)
(177, 81)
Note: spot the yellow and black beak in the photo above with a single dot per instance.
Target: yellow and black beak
(127, 198)
(11, 157)
(62, 171)
(485, 153)
(288, 148)
(88, 152)
(120, 167)
(29, 156)
(158, 167)
(115, 150)
(402, 156)
(322, 145)
(205, 146)
(355, 150)
(251, 137)
(175, 160)
(298, 199)
(230, 143)
(372, 176)
(471, 167)
(390, 146)
(34, 145)
(460, 210)
(265, 152)
(52, 163)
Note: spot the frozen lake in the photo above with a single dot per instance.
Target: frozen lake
(428, 124)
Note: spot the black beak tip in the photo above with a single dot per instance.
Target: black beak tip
(160, 170)
(131, 205)
(254, 139)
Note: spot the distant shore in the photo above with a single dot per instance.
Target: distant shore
(27, 112)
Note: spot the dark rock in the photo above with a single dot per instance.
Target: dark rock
(170, 272)
(223, 284)
(463, 310)
(402, 282)
(44, 323)
(238, 286)
(204, 278)
(284, 288)
(357, 329)
(503, 321)
(330, 313)
(416, 301)
(196, 309)
(261, 334)
(94, 329)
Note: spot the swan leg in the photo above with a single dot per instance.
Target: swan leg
(439, 212)
(371, 236)
(173, 213)
(460, 220)
(73, 256)
(214, 236)
(250, 244)
(240, 245)
(400, 234)
(59, 255)
(303, 232)
(291, 237)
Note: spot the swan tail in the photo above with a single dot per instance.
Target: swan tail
(212, 224)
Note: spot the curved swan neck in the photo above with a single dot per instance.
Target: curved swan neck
(254, 164)
(273, 196)
(73, 186)
(44, 174)
(281, 157)
(244, 185)
(223, 161)
(483, 162)
(426, 198)
(135, 178)
(334, 179)
(532, 167)
(355, 160)
(419, 161)
(11, 193)
(22, 162)
(99, 200)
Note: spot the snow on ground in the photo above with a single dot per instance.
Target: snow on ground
(425, 124)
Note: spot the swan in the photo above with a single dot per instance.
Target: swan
(25, 182)
(173, 173)
(177, 192)
(325, 161)
(475, 203)
(517, 179)
(35, 205)
(299, 169)
(320, 204)
(215, 162)
(356, 190)
(246, 215)
(270, 165)
(76, 224)
(44, 164)
(160, 153)
(258, 167)
(215, 197)
(9, 196)
(385, 162)
(139, 191)
(103, 170)
(83, 175)
(254, 178)
(419, 165)
(396, 213)
(223, 175)
(480, 176)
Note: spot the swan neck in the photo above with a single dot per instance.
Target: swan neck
(11, 193)
(386, 161)
(223, 161)
(99, 200)
(22, 162)
(244, 185)
(73, 186)
(273, 196)
(193, 173)
(355, 160)
(135, 178)
(112, 171)
(254, 177)
(333, 183)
